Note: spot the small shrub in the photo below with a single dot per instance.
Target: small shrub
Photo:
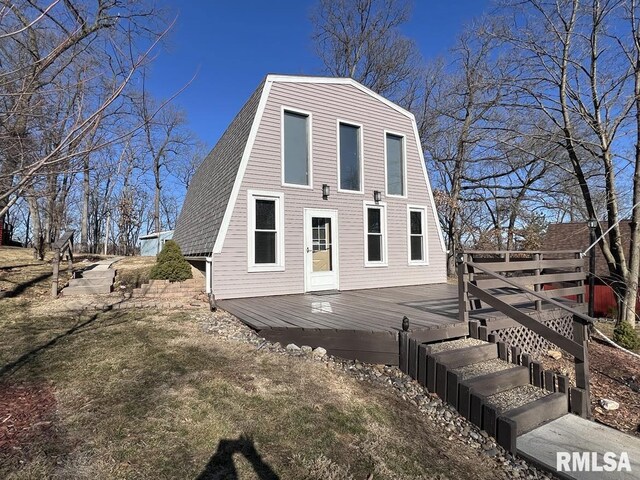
(170, 264)
(626, 336)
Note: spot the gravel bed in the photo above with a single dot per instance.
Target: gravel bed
(225, 325)
(455, 344)
(516, 397)
(482, 368)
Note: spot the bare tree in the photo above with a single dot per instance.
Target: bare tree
(579, 65)
(361, 39)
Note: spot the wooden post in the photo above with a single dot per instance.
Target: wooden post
(56, 272)
(582, 365)
(537, 286)
(463, 294)
(403, 352)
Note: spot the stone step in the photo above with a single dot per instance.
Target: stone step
(108, 273)
(92, 281)
(92, 290)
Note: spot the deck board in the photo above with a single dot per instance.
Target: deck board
(362, 324)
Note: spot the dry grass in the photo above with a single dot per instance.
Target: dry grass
(147, 394)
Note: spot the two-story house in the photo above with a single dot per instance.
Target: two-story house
(317, 184)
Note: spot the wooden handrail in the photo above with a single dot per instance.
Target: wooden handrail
(587, 320)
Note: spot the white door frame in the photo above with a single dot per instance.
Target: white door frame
(309, 213)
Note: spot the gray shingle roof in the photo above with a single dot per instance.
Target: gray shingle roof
(208, 194)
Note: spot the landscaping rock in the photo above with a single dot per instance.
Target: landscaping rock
(609, 404)
(555, 354)
(319, 352)
(292, 347)
(306, 349)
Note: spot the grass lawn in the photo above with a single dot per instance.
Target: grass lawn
(148, 394)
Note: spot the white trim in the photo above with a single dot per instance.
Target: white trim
(360, 147)
(335, 247)
(284, 109)
(425, 241)
(208, 275)
(404, 164)
(228, 213)
(226, 220)
(383, 218)
(278, 197)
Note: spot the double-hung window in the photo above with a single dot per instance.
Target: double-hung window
(375, 226)
(265, 233)
(350, 157)
(417, 235)
(395, 165)
(296, 148)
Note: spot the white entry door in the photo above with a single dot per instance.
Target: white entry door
(321, 249)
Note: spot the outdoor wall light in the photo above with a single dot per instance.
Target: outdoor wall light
(592, 223)
(377, 196)
(325, 191)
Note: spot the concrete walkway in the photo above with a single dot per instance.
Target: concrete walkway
(571, 433)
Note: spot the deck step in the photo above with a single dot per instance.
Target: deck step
(499, 381)
(466, 356)
(534, 414)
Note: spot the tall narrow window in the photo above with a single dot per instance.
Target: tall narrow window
(375, 229)
(417, 235)
(295, 144)
(265, 231)
(395, 164)
(350, 162)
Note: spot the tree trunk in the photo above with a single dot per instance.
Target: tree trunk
(84, 223)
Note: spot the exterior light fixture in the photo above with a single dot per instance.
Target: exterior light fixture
(325, 191)
(592, 223)
(377, 196)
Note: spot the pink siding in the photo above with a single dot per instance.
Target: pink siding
(327, 103)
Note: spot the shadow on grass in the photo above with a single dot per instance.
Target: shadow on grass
(21, 287)
(26, 357)
(221, 465)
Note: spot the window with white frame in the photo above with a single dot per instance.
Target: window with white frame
(416, 230)
(265, 231)
(295, 148)
(395, 164)
(375, 235)
(349, 157)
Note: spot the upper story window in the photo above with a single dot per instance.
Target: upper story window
(417, 235)
(296, 148)
(375, 245)
(395, 165)
(265, 215)
(350, 157)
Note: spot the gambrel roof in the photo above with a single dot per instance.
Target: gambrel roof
(210, 189)
(208, 206)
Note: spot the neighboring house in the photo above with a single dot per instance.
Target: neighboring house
(317, 184)
(575, 236)
(152, 243)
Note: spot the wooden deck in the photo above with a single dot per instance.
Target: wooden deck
(355, 324)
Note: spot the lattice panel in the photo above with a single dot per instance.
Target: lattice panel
(532, 343)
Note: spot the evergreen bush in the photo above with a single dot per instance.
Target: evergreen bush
(170, 264)
(626, 336)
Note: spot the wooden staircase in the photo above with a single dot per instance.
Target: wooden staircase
(497, 386)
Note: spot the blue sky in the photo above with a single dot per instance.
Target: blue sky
(231, 45)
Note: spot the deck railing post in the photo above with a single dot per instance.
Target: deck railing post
(580, 296)
(538, 286)
(582, 365)
(463, 290)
